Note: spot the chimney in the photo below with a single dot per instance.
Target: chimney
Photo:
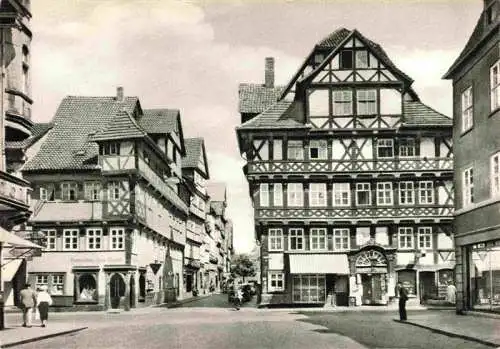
(269, 71)
(119, 94)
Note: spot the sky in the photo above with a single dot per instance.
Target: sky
(192, 55)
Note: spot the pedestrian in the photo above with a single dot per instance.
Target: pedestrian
(28, 301)
(403, 297)
(44, 300)
(451, 293)
(238, 298)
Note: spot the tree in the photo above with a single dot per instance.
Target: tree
(243, 266)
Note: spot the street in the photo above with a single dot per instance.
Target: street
(198, 325)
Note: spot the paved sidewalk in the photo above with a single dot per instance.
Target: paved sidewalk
(481, 329)
(16, 335)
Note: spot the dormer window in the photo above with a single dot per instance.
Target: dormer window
(111, 149)
(362, 59)
(346, 61)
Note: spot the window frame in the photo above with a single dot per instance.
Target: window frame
(409, 241)
(342, 62)
(91, 188)
(317, 194)
(321, 237)
(338, 193)
(495, 86)
(275, 241)
(467, 109)
(406, 193)
(468, 186)
(357, 59)
(423, 189)
(47, 190)
(363, 190)
(50, 239)
(367, 101)
(75, 239)
(298, 235)
(322, 149)
(381, 146)
(97, 236)
(385, 190)
(119, 243)
(264, 194)
(338, 238)
(342, 103)
(427, 235)
(67, 188)
(297, 201)
(114, 195)
(295, 150)
(409, 147)
(495, 175)
(277, 277)
(111, 149)
(278, 193)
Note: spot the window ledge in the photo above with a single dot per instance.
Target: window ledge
(494, 111)
(464, 132)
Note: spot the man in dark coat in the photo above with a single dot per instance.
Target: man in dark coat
(403, 297)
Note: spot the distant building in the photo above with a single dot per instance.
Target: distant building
(110, 202)
(350, 175)
(476, 143)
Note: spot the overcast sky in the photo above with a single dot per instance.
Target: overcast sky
(191, 55)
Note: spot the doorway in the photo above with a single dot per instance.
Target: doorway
(372, 288)
(116, 290)
(428, 289)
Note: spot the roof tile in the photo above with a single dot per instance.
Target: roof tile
(193, 152)
(419, 114)
(159, 120)
(255, 98)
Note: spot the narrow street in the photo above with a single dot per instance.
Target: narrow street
(210, 323)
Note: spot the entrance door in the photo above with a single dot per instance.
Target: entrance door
(116, 290)
(372, 288)
(427, 282)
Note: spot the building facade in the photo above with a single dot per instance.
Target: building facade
(350, 175)
(476, 104)
(109, 200)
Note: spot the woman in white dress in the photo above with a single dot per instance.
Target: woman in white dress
(451, 293)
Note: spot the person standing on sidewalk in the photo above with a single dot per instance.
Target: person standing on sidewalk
(43, 300)
(403, 297)
(28, 301)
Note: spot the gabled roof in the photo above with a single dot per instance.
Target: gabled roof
(418, 114)
(157, 121)
(37, 131)
(195, 149)
(479, 33)
(68, 145)
(123, 126)
(255, 98)
(279, 115)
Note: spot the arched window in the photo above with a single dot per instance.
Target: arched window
(87, 288)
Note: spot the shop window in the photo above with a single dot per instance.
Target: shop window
(53, 282)
(408, 280)
(308, 288)
(86, 287)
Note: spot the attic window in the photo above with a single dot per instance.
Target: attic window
(111, 149)
(318, 58)
(362, 59)
(346, 59)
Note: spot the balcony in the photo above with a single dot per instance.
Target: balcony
(373, 214)
(329, 166)
(66, 211)
(116, 162)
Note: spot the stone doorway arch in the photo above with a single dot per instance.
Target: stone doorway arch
(116, 289)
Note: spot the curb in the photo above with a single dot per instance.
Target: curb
(34, 339)
(451, 334)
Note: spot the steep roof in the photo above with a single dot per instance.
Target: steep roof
(419, 114)
(278, 115)
(123, 126)
(68, 145)
(159, 120)
(38, 131)
(479, 33)
(255, 98)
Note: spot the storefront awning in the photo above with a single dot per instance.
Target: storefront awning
(12, 240)
(319, 264)
(9, 269)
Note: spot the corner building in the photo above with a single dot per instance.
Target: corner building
(350, 175)
(476, 122)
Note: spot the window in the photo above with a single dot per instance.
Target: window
(384, 193)
(318, 238)
(309, 289)
(362, 59)
(264, 194)
(495, 85)
(407, 147)
(318, 150)
(275, 239)
(278, 194)
(406, 193)
(87, 287)
(296, 239)
(317, 194)
(276, 281)
(94, 237)
(295, 150)
(363, 194)
(468, 187)
(295, 194)
(114, 191)
(495, 175)
(41, 280)
(57, 287)
(92, 191)
(70, 239)
(467, 118)
(341, 194)
(342, 103)
(69, 191)
(346, 59)
(117, 236)
(47, 193)
(426, 193)
(405, 238)
(50, 239)
(385, 148)
(367, 102)
(277, 149)
(425, 237)
(340, 239)
(111, 149)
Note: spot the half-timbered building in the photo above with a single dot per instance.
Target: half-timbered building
(350, 175)
(108, 199)
(476, 122)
